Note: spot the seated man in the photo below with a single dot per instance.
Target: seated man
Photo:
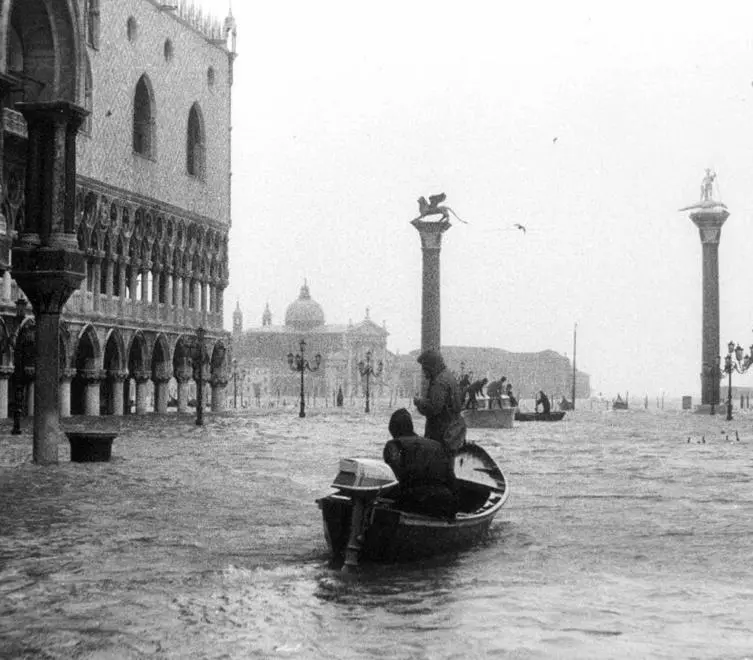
(543, 399)
(424, 470)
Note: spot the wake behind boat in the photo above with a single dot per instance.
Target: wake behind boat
(361, 521)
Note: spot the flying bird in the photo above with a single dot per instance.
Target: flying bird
(519, 226)
(554, 140)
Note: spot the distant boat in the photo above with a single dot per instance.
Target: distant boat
(619, 403)
(551, 416)
(361, 520)
(483, 417)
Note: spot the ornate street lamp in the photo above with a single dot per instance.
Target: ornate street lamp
(18, 368)
(367, 370)
(299, 363)
(735, 361)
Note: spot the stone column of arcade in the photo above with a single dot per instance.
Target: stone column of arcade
(161, 381)
(142, 391)
(117, 380)
(66, 377)
(219, 400)
(93, 378)
(709, 216)
(431, 246)
(47, 264)
(183, 375)
(5, 374)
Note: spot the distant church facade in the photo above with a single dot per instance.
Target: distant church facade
(260, 352)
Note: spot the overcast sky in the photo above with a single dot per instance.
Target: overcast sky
(345, 113)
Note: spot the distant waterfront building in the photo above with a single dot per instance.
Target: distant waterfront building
(152, 206)
(261, 351)
(528, 372)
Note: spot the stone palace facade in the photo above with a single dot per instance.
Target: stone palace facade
(152, 203)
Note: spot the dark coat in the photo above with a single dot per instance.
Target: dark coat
(442, 403)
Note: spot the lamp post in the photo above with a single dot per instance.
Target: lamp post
(18, 390)
(734, 361)
(300, 363)
(367, 370)
(235, 384)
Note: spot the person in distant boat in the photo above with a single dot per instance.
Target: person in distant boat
(511, 396)
(495, 390)
(476, 389)
(543, 401)
(441, 404)
(424, 470)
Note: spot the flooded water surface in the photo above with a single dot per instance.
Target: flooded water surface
(626, 535)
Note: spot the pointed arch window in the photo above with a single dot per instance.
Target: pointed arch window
(195, 143)
(92, 23)
(143, 119)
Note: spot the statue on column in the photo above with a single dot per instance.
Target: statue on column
(707, 186)
(433, 207)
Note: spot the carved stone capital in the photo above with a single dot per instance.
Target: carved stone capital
(141, 376)
(6, 371)
(29, 374)
(184, 373)
(92, 376)
(67, 374)
(431, 233)
(117, 376)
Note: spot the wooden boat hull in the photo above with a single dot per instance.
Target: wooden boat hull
(552, 416)
(391, 535)
(485, 418)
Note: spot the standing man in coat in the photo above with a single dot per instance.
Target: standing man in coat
(441, 402)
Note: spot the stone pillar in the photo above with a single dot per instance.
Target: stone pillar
(5, 374)
(6, 277)
(219, 401)
(121, 264)
(6, 83)
(47, 264)
(93, 379)
(30, 398)
(431, 246)
(110, 275)
(709, 216)
(117, 378)
(135, 265)
(161, 396)
(142, 393)
(183, 375)
(96, 282)
(66, 376)
(168, 273)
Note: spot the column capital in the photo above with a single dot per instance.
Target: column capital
(141, 376)
(67, 374)
(162, 373)
(29, 373)
(92, 376)
(6, 371)
(218, 381)
(183, 373)
(118, 376)
(431, 233)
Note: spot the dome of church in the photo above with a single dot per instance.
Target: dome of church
(304, 313)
